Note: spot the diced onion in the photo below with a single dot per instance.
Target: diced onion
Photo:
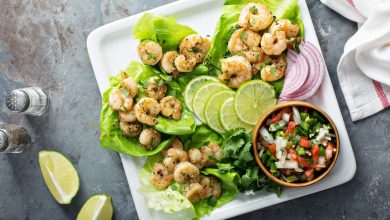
(321, 134)
(266, 135)
(286, 117)
(321, 160)
(296, 116)
(287, 164)
(277, 126)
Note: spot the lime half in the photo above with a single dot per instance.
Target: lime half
(193, 86)
(211, 109)
(253, 99)
(60, 176)
(201, 96)
(98, 207)
(229, 118)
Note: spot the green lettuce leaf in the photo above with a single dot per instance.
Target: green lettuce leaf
(164, 30)
(186, 124)
(228, 23)
(111, 135)
(202, 136)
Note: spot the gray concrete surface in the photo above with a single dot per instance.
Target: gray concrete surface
(43, 43)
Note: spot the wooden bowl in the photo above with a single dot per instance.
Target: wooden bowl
(267, 115)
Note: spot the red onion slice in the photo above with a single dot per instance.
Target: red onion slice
(315, 77)
(295, 79)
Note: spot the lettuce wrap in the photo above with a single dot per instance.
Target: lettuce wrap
(228, 23)
(170, 203)
(112, 137)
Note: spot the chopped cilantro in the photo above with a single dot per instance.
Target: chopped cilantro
(273, 71)
(124, 91)
(243, 35)
(152, 56)
(253, 9)
(195, 49)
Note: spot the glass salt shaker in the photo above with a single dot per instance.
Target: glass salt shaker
(13, 138)
(31, 101)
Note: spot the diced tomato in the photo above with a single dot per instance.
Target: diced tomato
(315, 152)
(309, 174)
(271, 148)
(304, 142)
(290, 127)
(293, 154)
(329, 150)
(302, 162)
(279, 115)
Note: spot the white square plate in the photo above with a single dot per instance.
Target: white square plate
(111, 47)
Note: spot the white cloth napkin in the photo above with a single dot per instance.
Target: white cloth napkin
(364, 68)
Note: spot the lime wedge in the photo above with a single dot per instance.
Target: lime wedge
(193, 86)
(253, 99)
(211, 109)
(201, 96)
(60, 176)
(98, 207)
(229, 118)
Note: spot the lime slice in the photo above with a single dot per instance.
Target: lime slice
(201, 96)
(253, 99)
(211, 109)
(229, 118)
(193, 86)
(60, 176)
(98, 207)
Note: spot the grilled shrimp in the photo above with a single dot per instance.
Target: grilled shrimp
(275, 70)
(235, 71)
(150, 52)
(161, 178)
(195, 157)
(171, 107)
(186, 172)
(254, 55)
(194, 192)
(255, 16)
(285, 25)
(243, 39)
(118, 101)
(185, 63)
(211, 153)
(274, 44)
(130, 129)
(157, 88)
(146, 110)
(168, 63)
(256, 67)
(196, 46)
(150, 138)
(173, 157)
(130, 85)
(211, 186)
(128, 116)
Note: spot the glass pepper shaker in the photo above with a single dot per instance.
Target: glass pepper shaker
(31, 101)
(13, 138)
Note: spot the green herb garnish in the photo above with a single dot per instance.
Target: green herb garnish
(253, 9)
(273, 71)
(124, 91)
(152, 56)
(243, 35)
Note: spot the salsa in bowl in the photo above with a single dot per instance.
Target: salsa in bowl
(295, 143)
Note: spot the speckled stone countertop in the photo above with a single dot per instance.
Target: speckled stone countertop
(43, 43)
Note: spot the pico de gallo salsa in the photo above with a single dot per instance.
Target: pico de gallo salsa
(297, 144)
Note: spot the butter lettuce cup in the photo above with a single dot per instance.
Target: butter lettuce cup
(296, 143)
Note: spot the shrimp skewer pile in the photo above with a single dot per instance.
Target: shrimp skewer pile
(253, 53)
(184, 167)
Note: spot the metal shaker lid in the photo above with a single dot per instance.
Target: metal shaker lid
(17, 101)
(3, 140)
